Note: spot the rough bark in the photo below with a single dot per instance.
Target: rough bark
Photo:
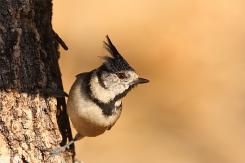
(33, 119)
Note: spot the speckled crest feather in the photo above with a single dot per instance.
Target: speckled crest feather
(115, 62)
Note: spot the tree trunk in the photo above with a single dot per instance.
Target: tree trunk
(33, 119)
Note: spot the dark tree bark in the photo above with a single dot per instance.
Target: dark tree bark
(33, 118)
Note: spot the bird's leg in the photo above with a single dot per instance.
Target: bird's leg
(63, 148)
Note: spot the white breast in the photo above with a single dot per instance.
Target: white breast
(85, 115)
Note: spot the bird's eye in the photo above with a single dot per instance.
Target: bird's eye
(121, 75)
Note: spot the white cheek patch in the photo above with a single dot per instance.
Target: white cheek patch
(110, 81)
(100, 92)
(113, 86)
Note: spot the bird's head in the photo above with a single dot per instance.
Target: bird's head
(115, 77)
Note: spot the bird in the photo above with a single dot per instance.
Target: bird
(95, 99)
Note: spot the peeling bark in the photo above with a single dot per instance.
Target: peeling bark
(33, 118)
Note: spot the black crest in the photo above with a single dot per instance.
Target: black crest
(115, 62)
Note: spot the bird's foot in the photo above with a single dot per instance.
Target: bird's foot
(58, 150)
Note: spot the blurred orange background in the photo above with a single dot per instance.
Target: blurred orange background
(193, 110)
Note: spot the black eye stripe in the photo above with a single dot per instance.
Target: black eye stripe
(100, 79)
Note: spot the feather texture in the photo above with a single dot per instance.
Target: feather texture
(115, 62)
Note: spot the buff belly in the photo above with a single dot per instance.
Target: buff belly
(86, 117)
(84, 126)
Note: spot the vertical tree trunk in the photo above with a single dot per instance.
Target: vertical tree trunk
(33, 119)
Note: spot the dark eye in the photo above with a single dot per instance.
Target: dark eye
(121, 75)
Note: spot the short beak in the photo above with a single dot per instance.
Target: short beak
(141, 81)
